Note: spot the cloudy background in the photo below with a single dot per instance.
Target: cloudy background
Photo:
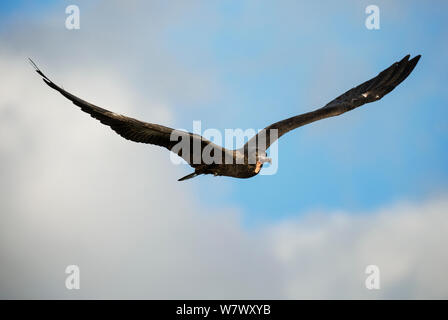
(369, 187)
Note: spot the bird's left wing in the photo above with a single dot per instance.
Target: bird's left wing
(369, 91)
(136, 130)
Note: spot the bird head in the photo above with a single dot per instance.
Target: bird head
(261, 159)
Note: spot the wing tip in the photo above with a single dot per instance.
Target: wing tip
(416, 58)
(413, 62)
(33, 64)
(407, 68)
(39, 72)
(406, 58)
(45, 79)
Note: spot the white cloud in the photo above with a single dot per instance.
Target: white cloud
(75, 192)
(325, 255)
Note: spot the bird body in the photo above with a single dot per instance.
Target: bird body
(208, 158)
(233, 163)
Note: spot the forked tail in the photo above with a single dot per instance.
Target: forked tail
(191, 175)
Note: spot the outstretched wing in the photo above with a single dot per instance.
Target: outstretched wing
(369, 91)
(139, 131)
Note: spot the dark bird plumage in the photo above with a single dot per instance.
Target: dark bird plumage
(241, 166)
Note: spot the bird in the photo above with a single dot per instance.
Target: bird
(247, 161)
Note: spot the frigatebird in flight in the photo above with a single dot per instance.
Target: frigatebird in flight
(247, 161)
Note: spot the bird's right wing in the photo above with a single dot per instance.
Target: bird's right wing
(136, 130)
(369, 91)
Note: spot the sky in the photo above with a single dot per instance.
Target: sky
(368, 187)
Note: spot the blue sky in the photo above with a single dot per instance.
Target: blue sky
(273, 60)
